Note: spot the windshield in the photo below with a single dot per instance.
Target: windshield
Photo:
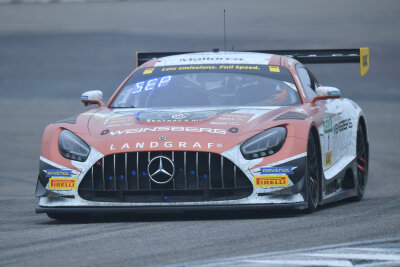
(208, 85)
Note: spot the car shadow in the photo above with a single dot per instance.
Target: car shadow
(179, 216)
(203, 215)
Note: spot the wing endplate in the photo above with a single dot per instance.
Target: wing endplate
(364, 60)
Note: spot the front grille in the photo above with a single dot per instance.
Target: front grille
(198, 176)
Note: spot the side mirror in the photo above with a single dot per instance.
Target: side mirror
(92, 97)
(325, 92)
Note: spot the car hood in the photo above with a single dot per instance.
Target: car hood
(196, 129)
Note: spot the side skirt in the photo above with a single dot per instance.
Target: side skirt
(341, 191)
(338, 195)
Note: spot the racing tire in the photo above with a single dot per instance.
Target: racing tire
(362, 163)
(312, 175)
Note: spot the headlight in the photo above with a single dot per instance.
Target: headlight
(264, 144)
(72, 147)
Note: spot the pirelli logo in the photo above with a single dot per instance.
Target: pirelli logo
(60, 183)
(272, 180)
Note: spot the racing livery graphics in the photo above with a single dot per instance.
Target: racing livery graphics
(57, 183)
(271, 180)
(204, 130)
(58, 173)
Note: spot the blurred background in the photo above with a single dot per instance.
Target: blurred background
(52, 51)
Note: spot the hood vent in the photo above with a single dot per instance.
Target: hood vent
(291, 116)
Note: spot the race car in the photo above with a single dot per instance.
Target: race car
(187, 131)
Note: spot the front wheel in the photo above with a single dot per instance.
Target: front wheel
(313, 175)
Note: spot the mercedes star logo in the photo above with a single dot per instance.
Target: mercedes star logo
(161, 169)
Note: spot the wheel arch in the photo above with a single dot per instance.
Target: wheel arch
(314, 132)
(363, 124)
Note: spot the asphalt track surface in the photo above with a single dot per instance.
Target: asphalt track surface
(50, 54)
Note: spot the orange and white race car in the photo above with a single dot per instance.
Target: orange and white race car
(209, 130)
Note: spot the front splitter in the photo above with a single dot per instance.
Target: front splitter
(41, 209)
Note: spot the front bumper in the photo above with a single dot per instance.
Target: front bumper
(261, 197)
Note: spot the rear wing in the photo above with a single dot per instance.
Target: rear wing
(308, 56)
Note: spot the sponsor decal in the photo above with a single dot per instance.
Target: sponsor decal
(148, 71)
(170, 116)
(274, 69)
(343, 125)
(238, 67)
(213, 67)
(166, 144)
(233, 130)
(59, 183)
(328, 159)
(149, 84)
(275, 170)
(162, 138)
(58, 173)
(334, 93)
(84, 97)
(327, 123)
(169, 129)
(210, 58)
(199, 67)
(269, 181)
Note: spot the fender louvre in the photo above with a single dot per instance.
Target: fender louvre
(291, 116)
